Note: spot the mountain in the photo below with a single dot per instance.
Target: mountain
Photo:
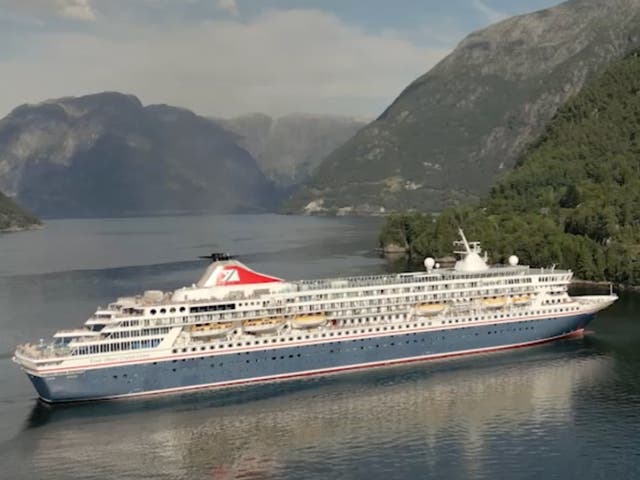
(108, 155)
(454, 130)
(573, 199)
(14, 218)
(289, 148)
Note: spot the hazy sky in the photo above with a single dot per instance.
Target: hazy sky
(228, 57)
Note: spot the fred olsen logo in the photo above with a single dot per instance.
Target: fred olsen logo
(229, 276)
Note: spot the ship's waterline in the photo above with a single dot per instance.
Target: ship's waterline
(170, 342)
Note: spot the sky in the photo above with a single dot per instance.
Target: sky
(226, 58)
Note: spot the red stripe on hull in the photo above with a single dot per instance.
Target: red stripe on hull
(226, 351)
(328, 371)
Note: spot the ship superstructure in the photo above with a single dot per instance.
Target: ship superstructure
(238, 326)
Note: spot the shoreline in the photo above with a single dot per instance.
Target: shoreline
(397, 251)
(577, 282)
(16, 229)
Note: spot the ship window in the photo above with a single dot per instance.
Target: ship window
(182, 309)
(153, 311)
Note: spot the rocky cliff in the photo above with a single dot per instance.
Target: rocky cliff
(289, 148)
(450, 133)
(107, 154)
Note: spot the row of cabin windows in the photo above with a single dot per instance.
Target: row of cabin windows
(153, 311)
(508, 315)
(323, 335)
(201, 308)
(144, 332)
(398, 300)
(477, 280)
(497, 282)
(232, 306)
(305, 337)
(344, 347)
(117, 347)
(340, 305)
(365, 330)
(390, 304)
(395, 291)
(140, 333)
(212, 308)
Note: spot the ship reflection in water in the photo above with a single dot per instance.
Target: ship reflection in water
(445, 418)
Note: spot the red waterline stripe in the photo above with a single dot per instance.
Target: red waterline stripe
(328, 371)
(213, 353)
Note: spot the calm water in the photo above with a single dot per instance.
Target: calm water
(565, 410)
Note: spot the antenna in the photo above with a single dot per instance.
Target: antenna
(217, 257)
(468, 247)
(464, 241)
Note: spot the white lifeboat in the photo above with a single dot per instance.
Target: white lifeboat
(521, 300)
(312, 320)
(211, 329)
(429, 309)
(494, 302)
(262, 325)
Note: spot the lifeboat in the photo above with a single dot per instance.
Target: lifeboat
(262, 325)
(494, 302)
(311, 320)
(430, 308)
(521, 300)
(211, 329)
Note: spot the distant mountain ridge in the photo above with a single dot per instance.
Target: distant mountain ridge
(107, 155)
(289, 148)
(454, 130)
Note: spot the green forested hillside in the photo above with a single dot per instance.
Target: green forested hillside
(573, 198)
(12, 217)
(456, 129)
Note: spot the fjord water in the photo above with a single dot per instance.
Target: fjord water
(569, 409)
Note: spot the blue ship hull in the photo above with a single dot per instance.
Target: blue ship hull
(214, 370)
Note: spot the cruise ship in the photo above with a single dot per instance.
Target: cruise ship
(238, 326)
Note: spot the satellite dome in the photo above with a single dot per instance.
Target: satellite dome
(472, 262)
(429, 262)
(513, 260)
